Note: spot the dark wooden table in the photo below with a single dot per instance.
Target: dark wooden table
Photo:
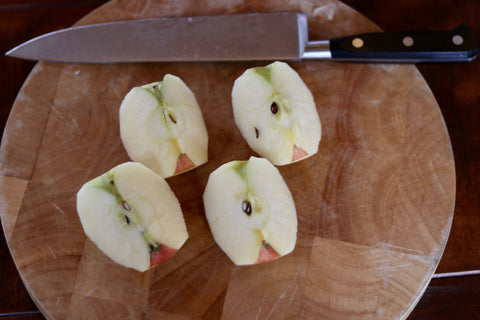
(454, 292)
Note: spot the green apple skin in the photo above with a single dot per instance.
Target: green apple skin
(132, 215)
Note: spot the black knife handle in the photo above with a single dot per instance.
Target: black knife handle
(458, 45)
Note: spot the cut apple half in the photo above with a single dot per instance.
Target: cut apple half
(132, 215)
(250, 211)
(276, 113)
(161, 126)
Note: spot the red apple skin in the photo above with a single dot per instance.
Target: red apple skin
(298, 153)
(184, 163)
(266, 254)
(163, 254)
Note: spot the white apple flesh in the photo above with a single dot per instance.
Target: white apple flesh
(276, 113)
(161, 126)
(132, 215)
(250, 211)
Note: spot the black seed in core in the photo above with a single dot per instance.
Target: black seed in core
(127, 219)
(172, 118)
(247, 207)
(274, 108)
(257, 134)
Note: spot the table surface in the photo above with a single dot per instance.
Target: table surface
(454, 292)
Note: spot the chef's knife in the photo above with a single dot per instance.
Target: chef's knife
(240, 37)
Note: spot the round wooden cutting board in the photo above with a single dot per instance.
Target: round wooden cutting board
(375, 205)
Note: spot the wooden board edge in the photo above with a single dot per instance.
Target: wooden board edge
(428, 277)
(12, 191)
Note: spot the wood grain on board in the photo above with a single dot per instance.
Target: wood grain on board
(455, 87)
(375, 205)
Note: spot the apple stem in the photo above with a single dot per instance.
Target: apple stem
(155, 248)
(157, 92)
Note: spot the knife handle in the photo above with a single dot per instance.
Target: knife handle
(458, 45)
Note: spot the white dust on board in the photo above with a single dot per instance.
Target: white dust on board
(31, 106)
(151, 8)
(386, 67)
(326, 11)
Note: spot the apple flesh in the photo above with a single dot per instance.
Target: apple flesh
(250, 211)
(132, 215)
(161, 126)
(276, 113)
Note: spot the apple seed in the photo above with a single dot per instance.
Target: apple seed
(247, 207)
(274, 108)
(126, 206)
(172, 117)
(257, 134)
(124, 221)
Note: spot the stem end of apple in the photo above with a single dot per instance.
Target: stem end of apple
(266, 254)
(161, 255)
(184, 163)
(298, 153)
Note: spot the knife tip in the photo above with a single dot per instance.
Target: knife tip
(13, 53)
(10, 53)
(19, 53)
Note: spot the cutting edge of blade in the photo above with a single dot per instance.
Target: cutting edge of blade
(21, 51)
(16, 52)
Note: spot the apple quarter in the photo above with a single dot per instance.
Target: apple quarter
(276, 113)
(250, 211)
(132, 215)
(162, 126)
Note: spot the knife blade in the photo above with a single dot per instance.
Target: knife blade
(241, 37)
